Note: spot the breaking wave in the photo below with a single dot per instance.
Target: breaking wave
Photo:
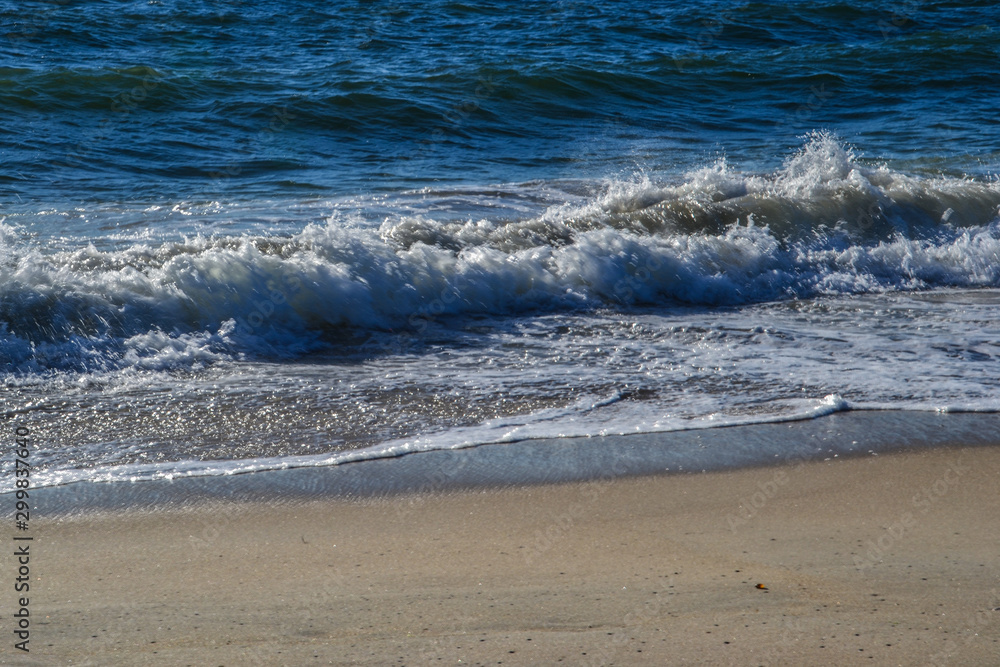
(824, 224)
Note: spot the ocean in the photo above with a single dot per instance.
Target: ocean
(245, 236)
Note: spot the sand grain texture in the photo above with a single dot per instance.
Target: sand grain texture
(649, 571)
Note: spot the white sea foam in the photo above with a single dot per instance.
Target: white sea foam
(585, 374)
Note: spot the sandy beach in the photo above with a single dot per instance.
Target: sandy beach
(881, 560)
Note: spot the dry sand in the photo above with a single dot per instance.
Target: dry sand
(887, 560)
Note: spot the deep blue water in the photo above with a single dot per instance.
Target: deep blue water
(153, 101)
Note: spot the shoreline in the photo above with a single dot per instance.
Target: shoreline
(860, 565)
(548, 461)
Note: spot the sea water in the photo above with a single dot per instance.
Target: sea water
(244, 236)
